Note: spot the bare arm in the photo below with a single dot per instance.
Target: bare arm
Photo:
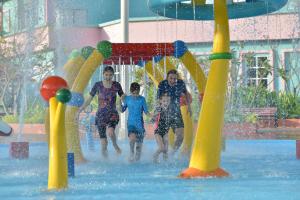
(122, 105)
(122, 97)
(150, 115)
(85, 104)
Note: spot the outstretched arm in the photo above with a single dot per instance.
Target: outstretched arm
(145, 108)
(85, 104)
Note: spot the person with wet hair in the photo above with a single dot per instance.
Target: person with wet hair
(136, 106)
(107, 116)
(161, 119)
(174, 88)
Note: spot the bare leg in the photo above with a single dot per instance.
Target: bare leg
(159, 141)
(132, 140)
(178, 139)
(104, 147)
(166, 143)
(112, 135)
(138, 151)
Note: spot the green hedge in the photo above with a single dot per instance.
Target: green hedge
(287, 104)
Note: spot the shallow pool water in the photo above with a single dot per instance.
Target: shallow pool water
(265, 169)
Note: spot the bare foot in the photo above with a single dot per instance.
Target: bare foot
(81, 161)
(137, 157)
(104, 153)
(165, 156)
(155, 159)
(131, 158)
(118, 150)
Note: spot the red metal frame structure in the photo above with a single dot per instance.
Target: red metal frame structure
(132, 53)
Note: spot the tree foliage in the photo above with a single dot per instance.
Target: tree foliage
(24, 62)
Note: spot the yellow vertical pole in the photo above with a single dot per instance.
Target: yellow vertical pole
(52, 110)
(198, 2)
(47, 124)
(58, 171)
(205, 158)
(199, 78)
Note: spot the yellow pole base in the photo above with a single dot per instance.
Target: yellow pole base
(196, 173)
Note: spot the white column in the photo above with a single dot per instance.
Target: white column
(124, 71)
(124, 19)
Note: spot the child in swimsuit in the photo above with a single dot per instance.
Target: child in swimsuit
(162, 126)
(136, 105)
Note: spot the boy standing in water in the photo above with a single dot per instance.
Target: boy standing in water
(136, 105)
(162, 126)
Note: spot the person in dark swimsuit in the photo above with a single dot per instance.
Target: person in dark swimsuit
(175, 88)
(162, 118)
(107, 116)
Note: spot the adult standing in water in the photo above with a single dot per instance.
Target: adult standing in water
(175, 88)
(107, 116)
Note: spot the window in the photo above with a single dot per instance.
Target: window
(29, 14)
(7, 21)
(73, 17)
(257, 69)
(1, 20)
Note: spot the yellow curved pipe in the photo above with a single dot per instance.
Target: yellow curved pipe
(205, 159)
(199, 78)
(195, 70)
(169, 65)
(58, 170)
(72, 68)
(80, 83)
(188, 130)
(155, 75)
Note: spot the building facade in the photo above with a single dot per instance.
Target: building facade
(65, 25)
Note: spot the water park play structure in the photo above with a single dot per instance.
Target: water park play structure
(141, 54)
(205, 157)
(54, 89)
